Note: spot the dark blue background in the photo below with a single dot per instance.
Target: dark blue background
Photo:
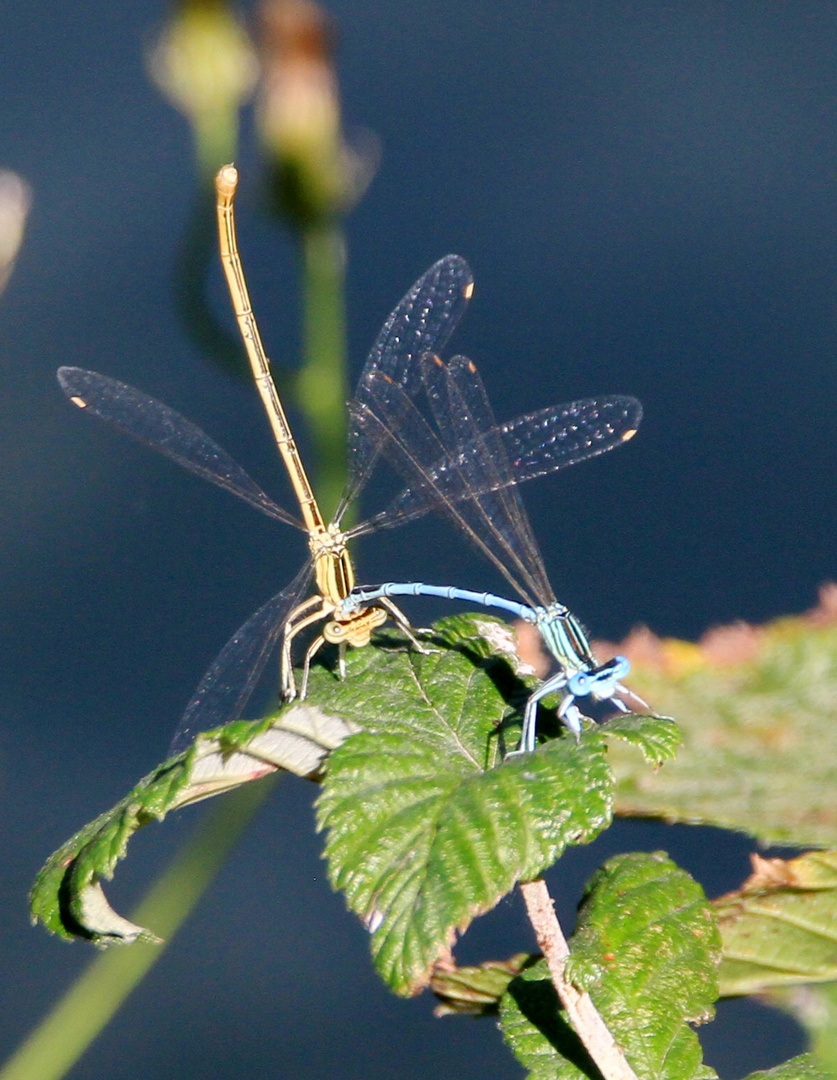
(646, 194)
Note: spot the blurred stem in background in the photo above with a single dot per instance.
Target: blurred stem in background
(205, 65)
(315, 179)
(97, 995)
(322, 384)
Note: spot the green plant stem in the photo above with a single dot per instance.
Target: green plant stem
(215, 133)
(75, 1021)
(322, 387)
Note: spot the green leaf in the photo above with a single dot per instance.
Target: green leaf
(757, 706)
(475, 990)
(67, 896)
(780, 928)
(657, 742)
(646, 950)
(421, 839)
(804, 1067)
(427, 828)
(535, 1027)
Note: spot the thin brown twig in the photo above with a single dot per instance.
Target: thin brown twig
(581, 1012)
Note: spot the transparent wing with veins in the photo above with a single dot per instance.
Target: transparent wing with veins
(223, 692)
(464, 469)
(422, 322)
(464, 417)
(163, 429)
(535, 444)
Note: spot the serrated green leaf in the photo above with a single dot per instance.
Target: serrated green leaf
(657, 738)
(646, 950)
(758, 721)
(424, 832)
(421, 839)
(426, 827)
(67, 896)
(780, 928)
(647, 946)
(804, 1067)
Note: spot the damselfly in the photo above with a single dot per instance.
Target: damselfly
(421, 323)
(468, 468)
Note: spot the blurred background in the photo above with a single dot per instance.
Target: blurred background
(646, 194)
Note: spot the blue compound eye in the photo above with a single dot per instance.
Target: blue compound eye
(579, 684)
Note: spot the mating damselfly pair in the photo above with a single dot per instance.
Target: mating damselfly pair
(460, 462)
